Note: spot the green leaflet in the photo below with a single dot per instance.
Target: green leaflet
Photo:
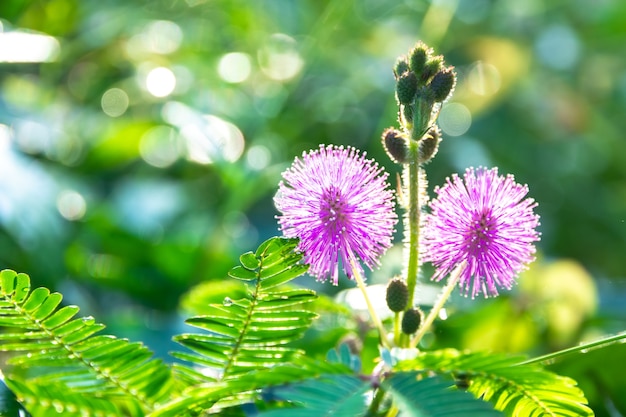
(246, 387)
(433, 397)
(60, 358)
(523, 390)
(252, 332)
(329, 396)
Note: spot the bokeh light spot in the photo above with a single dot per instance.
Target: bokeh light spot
(163, 36)
(71, 205)
(455, 119)
(160, 82)
(215, 139)
(484, 79)
(160, 146)
(114, 102)
(234, 67)
(258, 157)
(27, 47)
(206, 138)
(279, 58)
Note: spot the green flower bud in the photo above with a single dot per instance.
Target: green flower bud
(401, 67)
(406, 87)
(429, 145)
(432, 67)
(411, 320)
(442, 84)
(395, 144)
(418, 57)
(397, 295)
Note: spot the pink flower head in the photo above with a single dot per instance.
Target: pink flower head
(484, 220)
(339, 205)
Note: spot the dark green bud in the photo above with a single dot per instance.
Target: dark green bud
(406, 87)
(429, 145)
(401, 67)
(418, 57)
(411, 320)
(432, 67)
(442, 84)
(397, 295)
(395, 144)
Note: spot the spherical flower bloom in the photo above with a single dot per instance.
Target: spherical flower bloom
(485, 221)
(339, 205)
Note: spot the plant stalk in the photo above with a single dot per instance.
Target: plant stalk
(413, 221)
(582, 348)
(396, 329)
(370, 307)
(434, 312)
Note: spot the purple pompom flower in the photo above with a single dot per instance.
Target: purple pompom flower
(339, 205)
(485, 221)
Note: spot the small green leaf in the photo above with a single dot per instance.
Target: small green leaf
(283, 277)
(36, 298)
(48, 306)
(249, 261)
(82, 334)
(16, 286)
(239, 272)
(60, 317)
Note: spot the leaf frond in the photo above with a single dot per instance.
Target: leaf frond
(253, 332)
(332, 395)
(48, 346)
(248, 387)
(417, 396)
(522, 390)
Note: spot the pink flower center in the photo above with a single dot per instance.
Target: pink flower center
(333, 209)
(481, 232)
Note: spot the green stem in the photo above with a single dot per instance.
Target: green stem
(396, 329)
(370, 307)
(434, 312)
(413, 220)
(546, 359)
(376, 402)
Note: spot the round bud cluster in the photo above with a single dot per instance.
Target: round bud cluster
(397, 295)
(422, 74)
(411, 320)
(423, 82)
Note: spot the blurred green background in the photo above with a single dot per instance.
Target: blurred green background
(141, 143)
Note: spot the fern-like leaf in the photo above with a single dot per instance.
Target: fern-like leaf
(52, 348)
(248, 387)
(253, 332)
(521, 390)
(433, 397)
(331, 395)
(52, 400)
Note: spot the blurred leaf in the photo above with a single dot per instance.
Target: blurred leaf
(514, 387)
(334, 395)
(433, 397)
